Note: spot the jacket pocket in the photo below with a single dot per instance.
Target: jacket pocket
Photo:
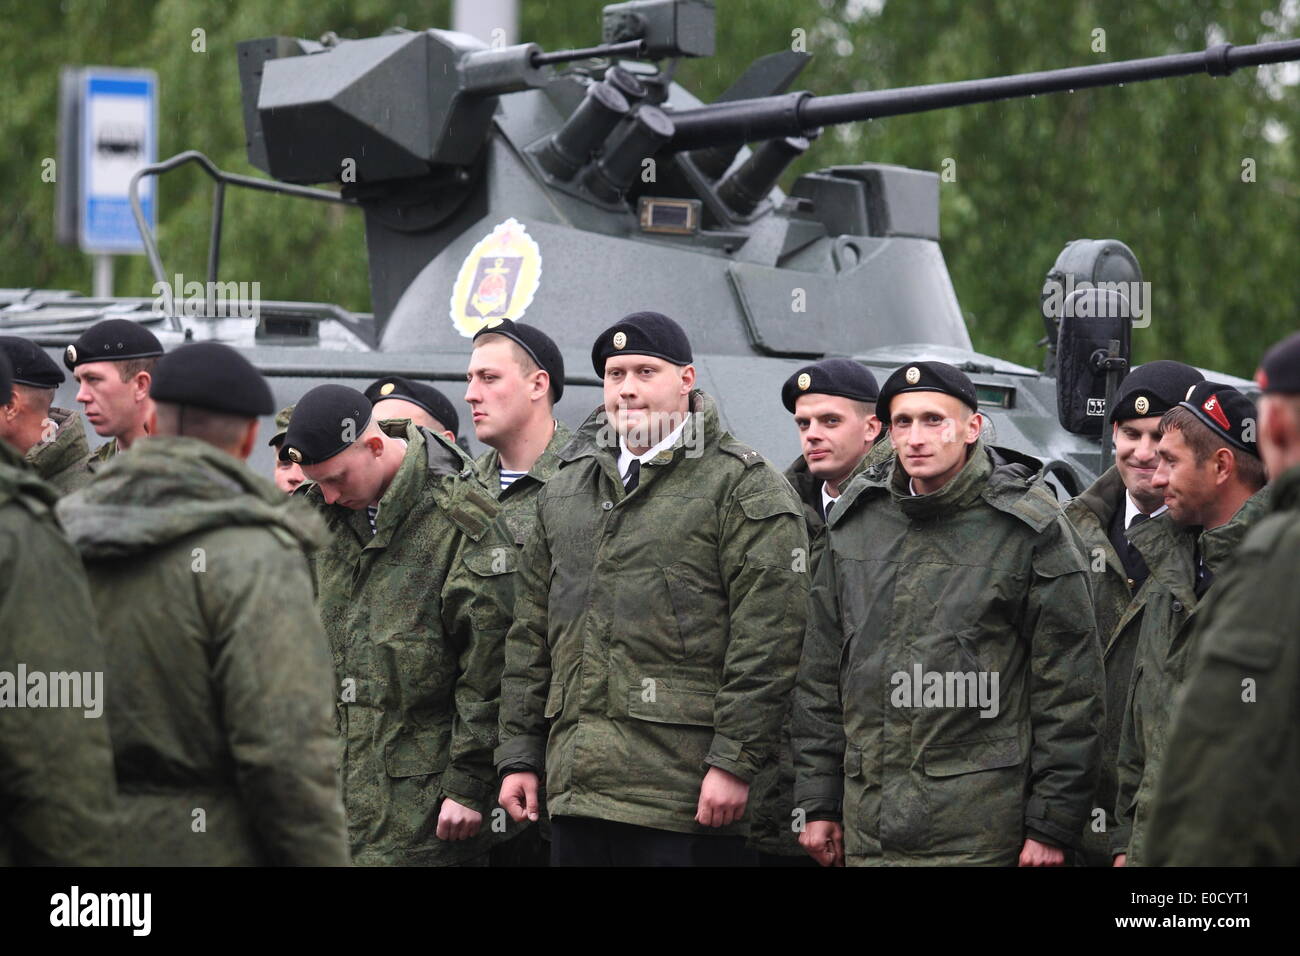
(554, 700)
(687, 597)
(663, 705)
(950, 760)
(660, 750)
(1252, 650)
(486, 563)
(975, 793)
(417, 754)
(861, 811)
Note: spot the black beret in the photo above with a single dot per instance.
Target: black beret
(212, 376)
(6, 380)
(1153, 389)
(642, 333)
(325, 422)
(282, 418)
(417, 393)
(31, 366)
(113, 340)
(536, 343)
(1224, 411)
(835, 376)
(1279, 370)
(926, 377)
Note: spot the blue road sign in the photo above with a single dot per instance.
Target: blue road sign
(119, 134)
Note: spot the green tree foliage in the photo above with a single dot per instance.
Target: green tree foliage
(1158, 165)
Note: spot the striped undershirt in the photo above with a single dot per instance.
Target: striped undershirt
(508, 478)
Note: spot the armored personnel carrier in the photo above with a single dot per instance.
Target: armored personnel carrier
(568, 188)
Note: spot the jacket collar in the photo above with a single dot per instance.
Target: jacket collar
(1216, 545)
(597, 439)
(960, 491)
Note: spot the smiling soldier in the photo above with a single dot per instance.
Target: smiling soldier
(1120, 499)
(1226, 794)
(1212, 480)
(657, 629)
(955, 560)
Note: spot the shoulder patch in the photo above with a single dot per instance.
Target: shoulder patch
(767, 504)
(1059, 554)
(473, 510)
(1035, 505)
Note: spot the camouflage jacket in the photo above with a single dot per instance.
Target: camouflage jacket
(416, 616)
(1226, 793)
(219, 683)
(772, 796)
(1165, 646)
(656, 633)
(62, 462)
(983, 578)
(1119, 618)
(101, 456)
(56, 763)
(519, 501)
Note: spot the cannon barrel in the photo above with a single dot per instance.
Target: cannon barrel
(793, 114)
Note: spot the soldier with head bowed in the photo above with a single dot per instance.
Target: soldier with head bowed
(415, 593)
(1226, 792)
(113, 364)
(1212, 480)
(52, 439)
(1123, 498)
(949, 703)
(657, 628)
(220, 690)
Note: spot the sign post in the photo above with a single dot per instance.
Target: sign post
(115, 124)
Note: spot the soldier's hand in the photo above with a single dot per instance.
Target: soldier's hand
(722, 798)
(823, 840)
(1121, 859)
(519, 796)
(457, 822)
(1040, 854)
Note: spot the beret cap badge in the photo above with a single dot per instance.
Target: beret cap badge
(913, 375)
(805, 381)
(387, 388)
(620, 339)
(1142, 405)
(294, 455)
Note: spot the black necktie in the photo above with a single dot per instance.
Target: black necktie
(1134, 566)
(826, 508)
(633, 475)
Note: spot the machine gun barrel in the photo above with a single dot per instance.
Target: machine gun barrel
(793, 114)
